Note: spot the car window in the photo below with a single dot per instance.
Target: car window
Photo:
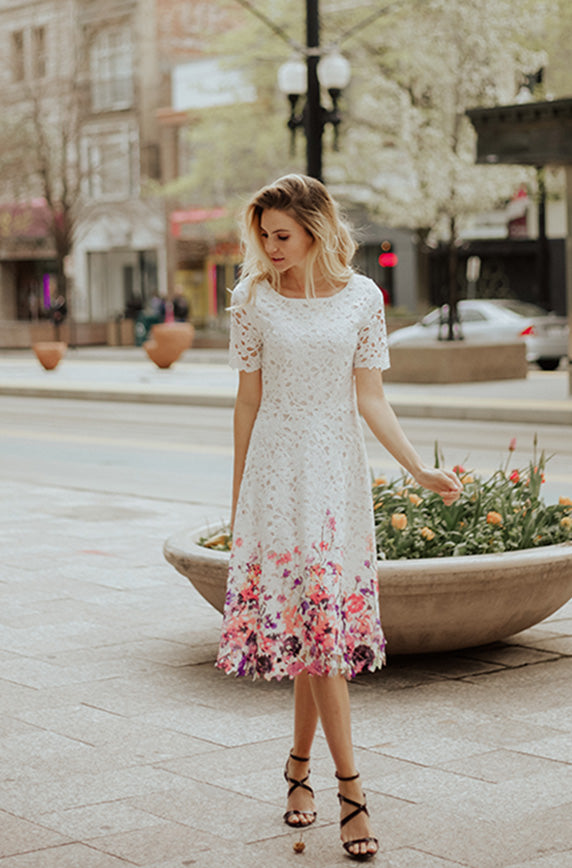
(471, 315)
(521, 308)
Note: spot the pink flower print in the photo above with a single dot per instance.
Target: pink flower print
(323, 545)
(355, 603)
(318, 595)
(297, 550)
(283, 559)
(332, 523)
(317, 572)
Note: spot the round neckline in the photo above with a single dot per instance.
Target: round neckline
(315, 298)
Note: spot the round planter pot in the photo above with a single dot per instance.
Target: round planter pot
(431, 604)
(50, 353)
(168, 342)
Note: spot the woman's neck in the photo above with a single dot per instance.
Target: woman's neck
(295, 287)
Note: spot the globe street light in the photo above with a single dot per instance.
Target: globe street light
(297, 77)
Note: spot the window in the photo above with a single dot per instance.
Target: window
(111, 70)
(111, 162)
(17, 49)
(39, 52)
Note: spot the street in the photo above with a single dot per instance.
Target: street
(185, 454)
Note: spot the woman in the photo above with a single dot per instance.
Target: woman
(308, 337)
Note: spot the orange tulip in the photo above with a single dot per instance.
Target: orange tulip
(427, 533)
(494, 518)
(399, 521)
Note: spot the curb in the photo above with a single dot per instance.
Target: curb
(530, 412)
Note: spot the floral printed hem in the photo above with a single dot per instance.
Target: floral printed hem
(312, 625)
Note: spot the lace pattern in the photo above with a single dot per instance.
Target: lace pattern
(302, 587)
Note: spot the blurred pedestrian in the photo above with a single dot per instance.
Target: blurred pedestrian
(58, 313)
(308, 337)
(180, 307)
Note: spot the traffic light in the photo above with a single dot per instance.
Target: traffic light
(387, 258)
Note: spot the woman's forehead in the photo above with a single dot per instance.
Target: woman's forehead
(273, 220)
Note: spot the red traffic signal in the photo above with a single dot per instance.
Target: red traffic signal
(388, 260)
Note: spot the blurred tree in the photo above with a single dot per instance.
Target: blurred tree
(407, 147)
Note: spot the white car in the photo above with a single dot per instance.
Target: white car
(495, 319)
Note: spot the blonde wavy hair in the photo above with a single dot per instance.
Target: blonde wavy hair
(308, 202)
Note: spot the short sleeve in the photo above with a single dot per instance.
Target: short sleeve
(372, 350)
(245, 346)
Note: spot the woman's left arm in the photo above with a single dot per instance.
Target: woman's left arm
(382, 421)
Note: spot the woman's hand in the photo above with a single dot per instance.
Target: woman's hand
(445, 483)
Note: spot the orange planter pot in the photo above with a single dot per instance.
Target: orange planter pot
(168, 342)
(50, 353)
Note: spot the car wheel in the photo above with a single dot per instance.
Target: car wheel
(548, 364)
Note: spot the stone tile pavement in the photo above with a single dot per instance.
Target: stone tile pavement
(122, 745)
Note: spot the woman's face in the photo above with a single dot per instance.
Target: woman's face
(285, 242)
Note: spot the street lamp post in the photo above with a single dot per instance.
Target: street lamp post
(298, 77)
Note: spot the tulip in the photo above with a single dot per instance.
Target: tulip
(512, 445)
(494, 518)
(415, 499)
(427, 533)
(565, 501)
(399, 521)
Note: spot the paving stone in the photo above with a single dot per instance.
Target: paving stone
(68, 856)
(510, 655)
(20, 836)
(500, 765)
(106, 818)
(556, 860)
(465, 756)
(151, 846)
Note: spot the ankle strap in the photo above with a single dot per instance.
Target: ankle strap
(300, 759)
(351, 778)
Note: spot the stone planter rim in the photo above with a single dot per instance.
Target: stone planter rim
(395, 572)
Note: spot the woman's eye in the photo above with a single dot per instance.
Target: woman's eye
(283, 238)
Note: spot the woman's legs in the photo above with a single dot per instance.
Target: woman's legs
(331, 698)
(305, 722)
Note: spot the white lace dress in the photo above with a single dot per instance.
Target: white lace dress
(302, 587)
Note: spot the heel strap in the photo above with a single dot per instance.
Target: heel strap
(300, 759)
(351, 778)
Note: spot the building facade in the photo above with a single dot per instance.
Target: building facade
(80, 77)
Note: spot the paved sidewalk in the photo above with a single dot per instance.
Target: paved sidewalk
(203, 377)
(123, 746)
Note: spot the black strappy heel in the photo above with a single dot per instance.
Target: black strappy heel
(360, 808)
(294, 784)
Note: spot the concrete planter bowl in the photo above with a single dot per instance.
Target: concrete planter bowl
(431, 604)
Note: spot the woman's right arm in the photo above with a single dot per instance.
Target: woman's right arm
(245, 411)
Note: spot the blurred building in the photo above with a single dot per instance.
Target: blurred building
(98, 76)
